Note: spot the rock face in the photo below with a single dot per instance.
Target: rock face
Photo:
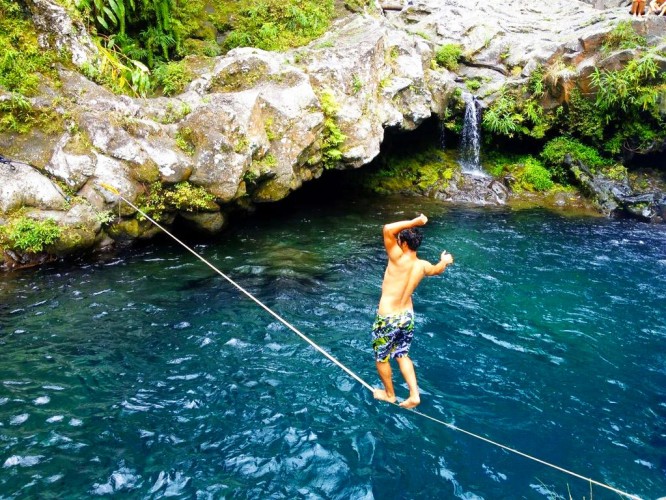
(253, 126)
(616, 197)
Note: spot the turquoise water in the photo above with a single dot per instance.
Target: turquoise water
(146, 375)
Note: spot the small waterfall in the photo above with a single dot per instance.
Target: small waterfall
(470, 145)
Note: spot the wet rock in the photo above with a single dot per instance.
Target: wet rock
(616, 197)
(209, 223)
(474, 188)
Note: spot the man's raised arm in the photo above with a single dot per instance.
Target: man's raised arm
(391, 230)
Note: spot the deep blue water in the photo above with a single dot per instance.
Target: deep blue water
(147, 375)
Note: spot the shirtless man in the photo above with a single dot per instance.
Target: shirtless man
(393, 329)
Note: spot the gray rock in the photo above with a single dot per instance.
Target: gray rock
(24, 186)
(474, 189)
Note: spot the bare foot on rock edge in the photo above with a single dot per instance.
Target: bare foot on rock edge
(411, 402)
(382, 396)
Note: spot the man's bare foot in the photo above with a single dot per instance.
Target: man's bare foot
(411, 402)
(382, 396)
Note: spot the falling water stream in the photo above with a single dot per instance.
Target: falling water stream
(470, 145)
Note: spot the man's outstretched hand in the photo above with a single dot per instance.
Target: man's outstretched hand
(446, 257)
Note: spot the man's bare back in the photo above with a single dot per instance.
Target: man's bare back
(392, 331)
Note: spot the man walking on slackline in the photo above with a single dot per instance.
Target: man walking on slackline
(393, 329)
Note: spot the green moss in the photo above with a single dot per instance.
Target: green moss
(616, 172)
(172, 77)
(267, 162)
(23, 63)
(269, 124)
(527, 173)
(185, 140)
(29, 235)
(412, 172)
(237, 76)
(448, 56)
(278, 24)
(535, 177)
(242, 145)
(176, 113)
(357, 5)
(183, 196)
(131, 228)
(333, 137)
(146, 172)
(557, 151)
(79, 144)
(472, 84)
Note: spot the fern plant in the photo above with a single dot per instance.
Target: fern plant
(501, 117)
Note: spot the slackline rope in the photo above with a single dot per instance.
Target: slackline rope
(347, 370)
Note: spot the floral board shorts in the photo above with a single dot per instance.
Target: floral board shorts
(392, 335)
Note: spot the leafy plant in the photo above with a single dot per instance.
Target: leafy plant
(558, 151)
(501, 118)
(105, 217)
(15, 114)
(536, 81)
(119, 72)
(357, 84)
(29, 235)
(629, 87)
(628, 103)
(154, 24)
(623, 36)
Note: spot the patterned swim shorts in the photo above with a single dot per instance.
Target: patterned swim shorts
(392, 335)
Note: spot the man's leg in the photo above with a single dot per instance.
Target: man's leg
(407, 370)
(386, 376)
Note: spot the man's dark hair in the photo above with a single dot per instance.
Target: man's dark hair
(411, 236)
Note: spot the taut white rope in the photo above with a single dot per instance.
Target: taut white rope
(347, 370)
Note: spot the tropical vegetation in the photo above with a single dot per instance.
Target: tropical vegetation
(141, 41)
(28, 235)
